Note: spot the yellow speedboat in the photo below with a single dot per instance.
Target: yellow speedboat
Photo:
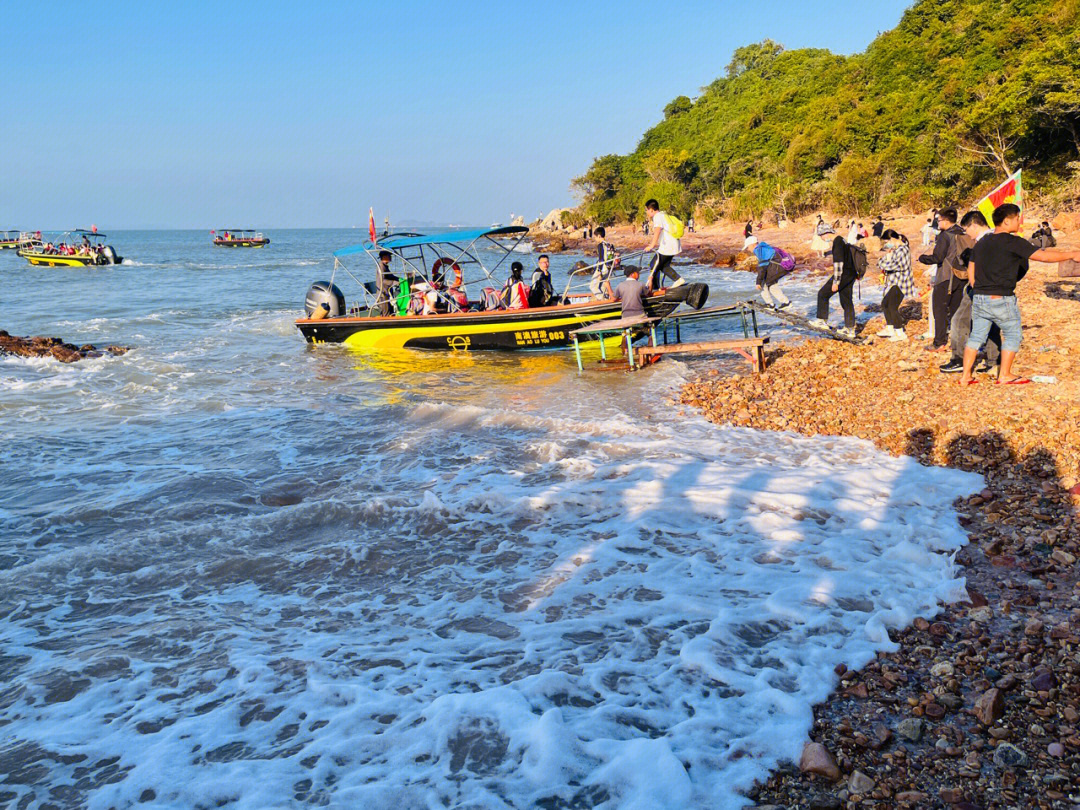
(9, 240)
(239, 237)
(77, 248)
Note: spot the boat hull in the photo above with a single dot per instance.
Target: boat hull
(248, 243)
(502, 330)
(9, 245)
(54, 260)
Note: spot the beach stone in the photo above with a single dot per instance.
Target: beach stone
(934, 711)
(1071, 714)
(1062, 556)
(911, 729)
(950, 701)
(982, 615)
(911, 797)
(950, 795)
(1043, 682)
(942, 670)
(1033, 627)
(990, 707)
(1007, 755)
(859, 782)
(816, 759)
(1055, 749)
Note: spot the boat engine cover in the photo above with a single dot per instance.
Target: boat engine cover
(323, 292)
(109, 254)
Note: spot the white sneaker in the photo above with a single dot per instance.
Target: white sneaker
(887, 332)
(818, 323)
(678, 283)
(898, 336)
(847, 332)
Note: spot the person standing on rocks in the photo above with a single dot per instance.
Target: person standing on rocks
(998, 261)
(948, 291)
(842, 283)
(667, 247)
(975, 228)
(899, 283)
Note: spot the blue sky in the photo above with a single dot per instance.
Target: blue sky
(147, 115)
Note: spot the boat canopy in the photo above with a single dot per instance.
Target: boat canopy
(447, 237)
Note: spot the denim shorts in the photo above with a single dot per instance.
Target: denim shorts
(987, 310)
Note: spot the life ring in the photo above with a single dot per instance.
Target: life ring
(437, 269)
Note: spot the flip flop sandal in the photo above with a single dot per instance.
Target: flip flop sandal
(1015, 381)
(972, 381)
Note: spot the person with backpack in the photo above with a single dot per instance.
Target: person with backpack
(849, 265)
(667, 231)
(606, 262)
(898, 281)
(948, 291)
(541, 290)
(773, 265)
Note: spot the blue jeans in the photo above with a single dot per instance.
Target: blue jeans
(1003, 311)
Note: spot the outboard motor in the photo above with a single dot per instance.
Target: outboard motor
(325, 298)
(109, 255)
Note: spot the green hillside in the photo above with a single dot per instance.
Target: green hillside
(935, 111)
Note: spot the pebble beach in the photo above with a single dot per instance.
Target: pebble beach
(979, 708)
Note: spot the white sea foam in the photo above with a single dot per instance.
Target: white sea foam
(579, 610)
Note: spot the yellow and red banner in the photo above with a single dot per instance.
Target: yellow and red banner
(1011, 191)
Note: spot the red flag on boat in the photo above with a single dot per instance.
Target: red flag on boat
(213, 233)
(93, 228)
(371, 225)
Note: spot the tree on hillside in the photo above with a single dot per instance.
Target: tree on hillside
(940, 107)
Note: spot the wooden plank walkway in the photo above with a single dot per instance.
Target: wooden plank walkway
(752, 348)
(795, 319)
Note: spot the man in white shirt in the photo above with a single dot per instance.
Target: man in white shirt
(667, 247)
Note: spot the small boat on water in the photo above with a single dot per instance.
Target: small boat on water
(239, 237)
(76, 248)
(9, 240)
(445, 276)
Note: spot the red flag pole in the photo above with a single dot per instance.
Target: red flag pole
(371, 225)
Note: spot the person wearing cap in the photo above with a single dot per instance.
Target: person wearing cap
(384, 279)
(631, 292)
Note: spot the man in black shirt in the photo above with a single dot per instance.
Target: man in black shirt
(384, 279)
(998, 261)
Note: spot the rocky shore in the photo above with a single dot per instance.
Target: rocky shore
(52, 347)
(980, 707)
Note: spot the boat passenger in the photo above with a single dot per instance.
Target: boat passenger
(630, 292)
(606, 262)
(667, 247)
(541, 290)
(384, 279)
(515, 294)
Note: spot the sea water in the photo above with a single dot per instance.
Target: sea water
(240, 571)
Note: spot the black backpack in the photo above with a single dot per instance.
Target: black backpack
(860, 260)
